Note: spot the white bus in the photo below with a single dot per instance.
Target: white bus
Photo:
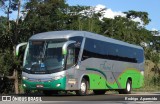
(81, 61)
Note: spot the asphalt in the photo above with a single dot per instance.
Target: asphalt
(138, 98)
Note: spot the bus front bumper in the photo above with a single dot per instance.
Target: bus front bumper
(59, 84)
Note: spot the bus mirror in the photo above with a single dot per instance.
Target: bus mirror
(64, 49)
(18, 46)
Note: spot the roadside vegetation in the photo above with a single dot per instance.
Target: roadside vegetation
(35, 16)
(151, 78)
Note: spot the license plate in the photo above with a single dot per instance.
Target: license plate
(39, 86)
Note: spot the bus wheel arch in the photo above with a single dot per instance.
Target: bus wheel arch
(84, 86)
(86, 77)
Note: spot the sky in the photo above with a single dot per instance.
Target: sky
(119, 6)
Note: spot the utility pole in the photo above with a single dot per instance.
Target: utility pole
(14, 48)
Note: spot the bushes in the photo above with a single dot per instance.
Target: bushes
(8, 62)
(151, 77)
(155, 80)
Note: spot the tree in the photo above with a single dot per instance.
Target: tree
(84, 18)
(11, 34)
(125, 29)
(142, 15)
(50, 13)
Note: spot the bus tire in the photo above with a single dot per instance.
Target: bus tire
(128, 88)
(83, 88)
(49, 92)
(99, 92)
(121, 91)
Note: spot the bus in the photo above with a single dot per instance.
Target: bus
(81, 61)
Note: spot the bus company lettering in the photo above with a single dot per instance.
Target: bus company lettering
(106, 66)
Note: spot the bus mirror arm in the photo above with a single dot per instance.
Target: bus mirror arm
(64, 48)
(18, 46)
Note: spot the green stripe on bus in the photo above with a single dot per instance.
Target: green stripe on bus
(97, 70)
(98, 82)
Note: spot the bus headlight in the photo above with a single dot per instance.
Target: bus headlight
(24, 78)
(58, 77)
(24, 85)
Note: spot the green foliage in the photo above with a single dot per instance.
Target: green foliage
(3, 37)
(45, 15)
(142, 15)
(1, 3)
(153, 78)
(51, 15)
(155, 58)
(125, 29)
(9, 5)
(7, 37)
(83, 18)
(7, 62)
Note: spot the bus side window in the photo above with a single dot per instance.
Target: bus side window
(70, 57)
(77, 49)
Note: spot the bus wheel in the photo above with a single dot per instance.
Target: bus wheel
(49, 92)
(99, 92)
(128, 87)
(83, 88)
(121, 91)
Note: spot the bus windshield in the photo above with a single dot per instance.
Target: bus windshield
(44, 56)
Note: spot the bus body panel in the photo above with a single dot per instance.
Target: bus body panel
(102, 73)
(111, 75)
(48, 81)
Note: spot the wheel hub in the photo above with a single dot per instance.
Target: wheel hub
(128, 87)
(83, 87)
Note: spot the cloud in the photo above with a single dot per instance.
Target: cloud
(137, 19)
(99, 7)
(106, 13)
(109, 13)
(155, 32)
(154, 29)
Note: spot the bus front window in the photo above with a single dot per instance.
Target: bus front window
(44, 56)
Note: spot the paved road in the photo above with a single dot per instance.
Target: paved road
(107, 97)
(90, 99)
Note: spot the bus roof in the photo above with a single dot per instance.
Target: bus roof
(71, 33)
